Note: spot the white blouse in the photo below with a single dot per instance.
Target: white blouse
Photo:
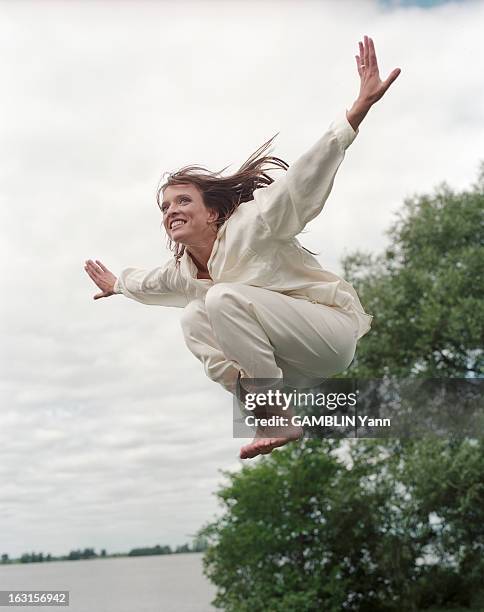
(257, 245)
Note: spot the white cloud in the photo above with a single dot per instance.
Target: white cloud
(111, 435)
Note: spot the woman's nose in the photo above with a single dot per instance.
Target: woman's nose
(171, 208)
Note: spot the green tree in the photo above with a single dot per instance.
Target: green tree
(88, 553)
(444, 489)
(199, 544)
(375, 532)
(426, 290)
(182, 548)
(376, 525)
(150, 550)
(74, 555)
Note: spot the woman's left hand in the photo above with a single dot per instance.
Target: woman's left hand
(372, 88)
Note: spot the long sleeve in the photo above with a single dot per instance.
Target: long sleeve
(157, 287)
(298, 196)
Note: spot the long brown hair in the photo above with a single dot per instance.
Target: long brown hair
(224, 194)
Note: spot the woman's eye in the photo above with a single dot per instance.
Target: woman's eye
(165, 208)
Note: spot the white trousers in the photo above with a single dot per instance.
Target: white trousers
(265, 334)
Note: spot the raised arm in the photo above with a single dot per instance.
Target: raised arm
(296, 198)
(372, 88)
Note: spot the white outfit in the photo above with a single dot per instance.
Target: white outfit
(271, 310)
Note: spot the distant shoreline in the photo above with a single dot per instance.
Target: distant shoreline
(198, 546)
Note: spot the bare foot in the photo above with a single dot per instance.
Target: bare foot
(264, 446)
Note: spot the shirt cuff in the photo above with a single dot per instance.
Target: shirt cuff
(343, 130)
(117, 287)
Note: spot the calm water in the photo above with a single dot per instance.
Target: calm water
(165, 583)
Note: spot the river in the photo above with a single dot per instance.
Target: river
(161, 583)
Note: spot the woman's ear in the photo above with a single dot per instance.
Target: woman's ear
(212, 216)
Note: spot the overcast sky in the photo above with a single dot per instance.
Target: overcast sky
(111, 436)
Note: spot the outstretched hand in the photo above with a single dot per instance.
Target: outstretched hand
(372, 88)
(103, 278)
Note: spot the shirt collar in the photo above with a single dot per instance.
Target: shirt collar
(187, 263)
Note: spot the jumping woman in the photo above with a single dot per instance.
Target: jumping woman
(257, 305)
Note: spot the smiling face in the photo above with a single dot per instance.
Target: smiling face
(186, 218)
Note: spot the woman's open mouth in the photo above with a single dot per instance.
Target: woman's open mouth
(177, 223)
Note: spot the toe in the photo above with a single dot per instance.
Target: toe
(247, 452)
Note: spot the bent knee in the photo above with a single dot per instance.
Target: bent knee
(222, 293)
(347, 351)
